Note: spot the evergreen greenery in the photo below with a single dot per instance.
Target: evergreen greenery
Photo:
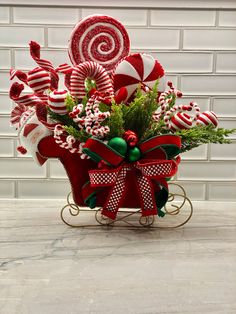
(80, 135)
(199, 135)
(115, 121)
(64, 119)
(70, 103)
(137, 117)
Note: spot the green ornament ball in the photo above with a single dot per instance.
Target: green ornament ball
(119, 145)
(134, 154)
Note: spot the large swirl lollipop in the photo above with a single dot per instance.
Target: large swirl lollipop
(101, 39)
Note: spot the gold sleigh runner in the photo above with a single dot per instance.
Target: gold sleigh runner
(178, 211)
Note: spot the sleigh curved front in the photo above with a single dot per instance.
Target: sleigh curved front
(77, 172)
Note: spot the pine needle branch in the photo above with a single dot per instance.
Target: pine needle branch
(199, 135)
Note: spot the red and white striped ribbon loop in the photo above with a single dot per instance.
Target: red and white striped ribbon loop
(25, 100)
(45, 64)
(65, 69)
(19, 74)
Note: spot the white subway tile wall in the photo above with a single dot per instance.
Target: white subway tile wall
(198, 51)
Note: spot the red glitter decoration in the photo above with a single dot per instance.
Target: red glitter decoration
(131, 138)
(101, 39)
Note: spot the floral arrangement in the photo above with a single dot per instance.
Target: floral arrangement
(115, 127)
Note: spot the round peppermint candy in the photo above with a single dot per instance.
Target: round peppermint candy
(57, 101)
(39, 80)
(207, 118)
(180, 121)
(135, 69)
(101, 39)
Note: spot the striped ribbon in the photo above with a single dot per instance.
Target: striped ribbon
(45, 64)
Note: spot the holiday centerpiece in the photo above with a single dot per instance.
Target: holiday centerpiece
(115, 126)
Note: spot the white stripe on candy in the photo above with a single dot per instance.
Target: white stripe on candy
(39, 80)
(93, 71)
(207, 118)
(135, 69)
(101, 39)
(57, 101)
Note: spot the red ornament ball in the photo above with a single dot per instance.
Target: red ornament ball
(131, 138)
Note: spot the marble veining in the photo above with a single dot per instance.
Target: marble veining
(48, 267)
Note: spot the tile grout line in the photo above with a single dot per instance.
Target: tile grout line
(217, 17)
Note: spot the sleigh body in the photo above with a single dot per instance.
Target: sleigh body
(77, 171)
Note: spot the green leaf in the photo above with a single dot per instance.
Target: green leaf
(115, 122)
(80, 135)
(70, 103)
(103, 107)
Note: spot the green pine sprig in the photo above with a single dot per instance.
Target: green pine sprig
(80, 135)
(138, 115)
(199, 135)
(116, 121)
(70, 103)
(64, 119)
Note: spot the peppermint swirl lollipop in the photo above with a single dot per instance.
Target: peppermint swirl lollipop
(101, 39)
(136, 69)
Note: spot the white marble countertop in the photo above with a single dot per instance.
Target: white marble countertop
(47, 267)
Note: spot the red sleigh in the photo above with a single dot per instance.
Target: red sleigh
(77, 170)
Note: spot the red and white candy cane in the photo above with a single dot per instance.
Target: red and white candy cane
(68, 142)
(165, 100)
(91, 122)
(57, 101)
(19, 74)
(16, 114)
(176, 118)
(23, 103)
(101, 39)
(207, 118)
(138, 69)
(93, 71)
